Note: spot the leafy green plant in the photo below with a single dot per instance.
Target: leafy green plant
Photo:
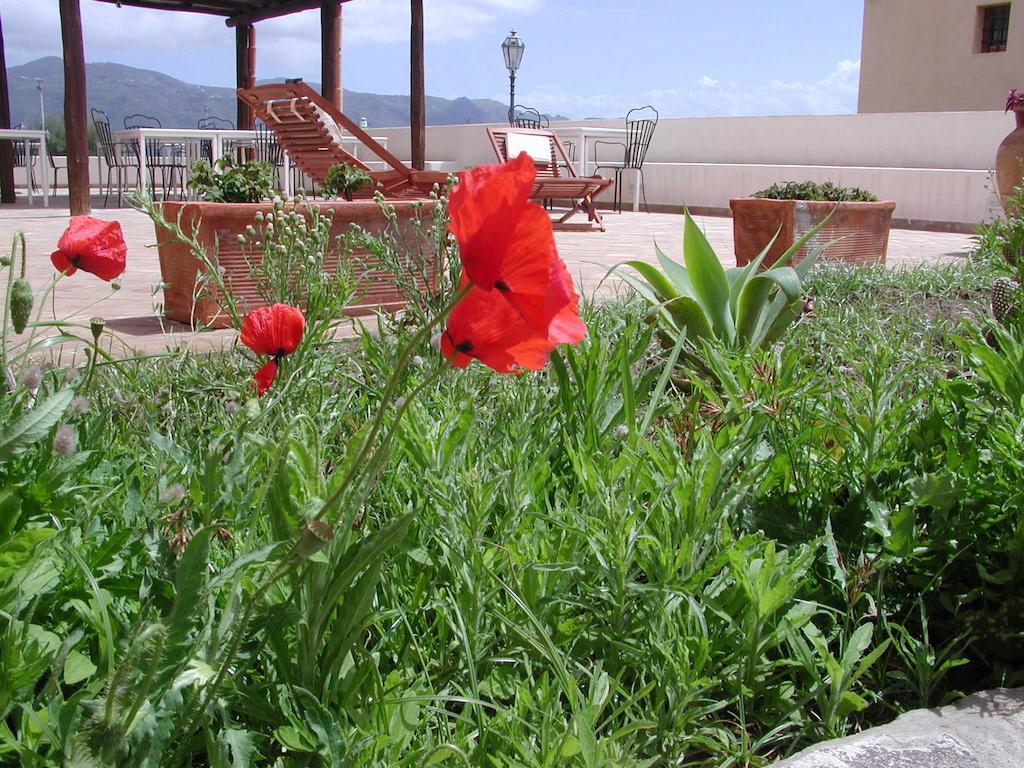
(738, 307)
(344, 180)
(229, 182)
(812, 190)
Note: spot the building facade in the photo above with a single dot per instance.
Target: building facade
(940, 55)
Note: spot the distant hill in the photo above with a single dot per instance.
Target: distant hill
(119, 91)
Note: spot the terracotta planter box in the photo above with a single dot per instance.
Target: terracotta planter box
(863, 227)
(221, 223)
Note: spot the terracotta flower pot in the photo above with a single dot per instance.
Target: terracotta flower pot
(863, 227)
(1009, 171)
(221, 223)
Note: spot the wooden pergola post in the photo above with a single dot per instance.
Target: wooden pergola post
(76, 126)
(6, 148)
(245, 71)
(330, 52)
(417, 92)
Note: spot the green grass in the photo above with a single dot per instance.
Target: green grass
(605, 563)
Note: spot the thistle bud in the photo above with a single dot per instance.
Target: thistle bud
(64, 440)
(96, 325)
(21, 304)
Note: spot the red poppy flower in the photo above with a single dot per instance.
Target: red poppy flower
(506, 243)
(276, 331)
(489, 329)
(93, 245)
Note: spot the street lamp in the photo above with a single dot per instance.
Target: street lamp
(513, 48)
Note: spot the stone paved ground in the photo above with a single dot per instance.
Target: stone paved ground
(132, 312)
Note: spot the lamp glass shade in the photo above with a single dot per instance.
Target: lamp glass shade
(513, 48)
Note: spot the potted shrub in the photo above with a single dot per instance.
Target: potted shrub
(860, 224)
(344, 180)
(232, 198)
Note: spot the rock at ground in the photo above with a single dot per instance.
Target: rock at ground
(985, 730)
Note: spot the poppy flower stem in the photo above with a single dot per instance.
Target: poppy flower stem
(373, 463)
(388, 395)
(291, 559)
(47, 292)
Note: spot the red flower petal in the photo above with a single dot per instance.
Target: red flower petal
(275, 330)
(484, 208)
(265, 377)
(93, 245)
(62, 264)
(507, 245)
(486, 327)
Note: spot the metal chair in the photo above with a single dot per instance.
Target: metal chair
(639, 132)
(25, 155)
(168, 157)
(528, 117)
(116, 155)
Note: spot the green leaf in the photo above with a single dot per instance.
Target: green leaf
(675, 272)
(851, 702)
(688, 315)
(77, 668)
(188, 586)
(35, 425)
(708, 279)
(659, 289)
(18, 552)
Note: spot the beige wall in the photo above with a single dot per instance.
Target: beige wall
(921, 56)
(935, 165)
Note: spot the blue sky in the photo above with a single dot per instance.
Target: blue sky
(583, 57)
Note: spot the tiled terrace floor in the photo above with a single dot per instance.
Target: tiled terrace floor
(588, 255)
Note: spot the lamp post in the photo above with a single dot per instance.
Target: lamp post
(513, 48)
(42, 112)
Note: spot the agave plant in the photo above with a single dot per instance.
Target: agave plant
(739, 307)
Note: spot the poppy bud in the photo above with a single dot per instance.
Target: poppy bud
(115, 285)
(21, 304)
(5, 261)
(315, 536)
(96, 326)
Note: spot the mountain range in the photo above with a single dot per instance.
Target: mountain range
(120, 90)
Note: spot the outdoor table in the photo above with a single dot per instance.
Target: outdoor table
(140, 136)
(44, 159)
(217, 137)
(585, 133)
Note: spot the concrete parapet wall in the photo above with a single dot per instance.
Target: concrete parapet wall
(935, 165)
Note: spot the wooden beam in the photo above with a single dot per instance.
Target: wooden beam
(245, 72)
(270, 12)
(75, 126)
(211, 8)
(6, 148)
(330, 52)
(417, 92)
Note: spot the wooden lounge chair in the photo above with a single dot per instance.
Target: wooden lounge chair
(308, 127)
(556, 177)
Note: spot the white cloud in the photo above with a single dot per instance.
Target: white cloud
(200, 47)
(835, 93)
